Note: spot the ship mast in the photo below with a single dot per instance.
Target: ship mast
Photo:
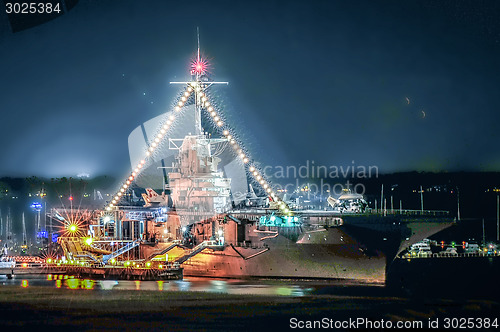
(198, 75)
(199, 82)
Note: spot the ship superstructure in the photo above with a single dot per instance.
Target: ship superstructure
(197, 188)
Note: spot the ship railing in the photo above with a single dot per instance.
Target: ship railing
(450, 255)
(204, 244)
(251, 245)
(434, 213)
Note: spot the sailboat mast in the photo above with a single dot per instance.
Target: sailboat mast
(382, 198)
(25, 242)
(498, 218)
(484, 235)
(421, 199)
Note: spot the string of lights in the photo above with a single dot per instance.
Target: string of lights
(240, 151)
(158, 138)
(202, 100)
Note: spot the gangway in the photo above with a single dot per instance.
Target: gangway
(122, 250)
(174, 244)
(196, 250)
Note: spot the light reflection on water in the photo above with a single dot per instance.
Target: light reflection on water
(226, 286)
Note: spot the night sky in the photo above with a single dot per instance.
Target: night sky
(402, 85)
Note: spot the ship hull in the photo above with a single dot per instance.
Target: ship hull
(351, 252)
(358, 248)
(299, 261)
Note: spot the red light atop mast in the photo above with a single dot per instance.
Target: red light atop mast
(199, 67)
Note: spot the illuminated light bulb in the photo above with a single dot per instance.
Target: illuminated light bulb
(268, 190)
(177, 108)
(207, 104)
(168, 124)
(157, 139)
(108, 209)
(163, 131)
(186, 94)
(229, 136)
(183, 98)
(265, 186)
(255, 173)
(261, 181)
(113, 201)
(233, 141)
(245, 160)
(117, 198)
(134, 173)
(242, 155)
(125, 186)
(131, 178)
(122, 190)
(190, 89)
(240, 151)
(148, 153)
(259, 177)
(171, 118)
(110, 205)
(198, 89)
(128, 182)
(220, 123)
(225, 132)
(213, 114)
(203, 99)
(216, 118)
(151, 148)
(143, 161)
(180, 104)
(210, 109)
(153, 145)
(119, 194)
(136, 170)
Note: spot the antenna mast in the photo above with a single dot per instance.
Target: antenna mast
(199, 69)
(198, 34)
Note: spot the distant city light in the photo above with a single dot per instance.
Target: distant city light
(36, 205)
